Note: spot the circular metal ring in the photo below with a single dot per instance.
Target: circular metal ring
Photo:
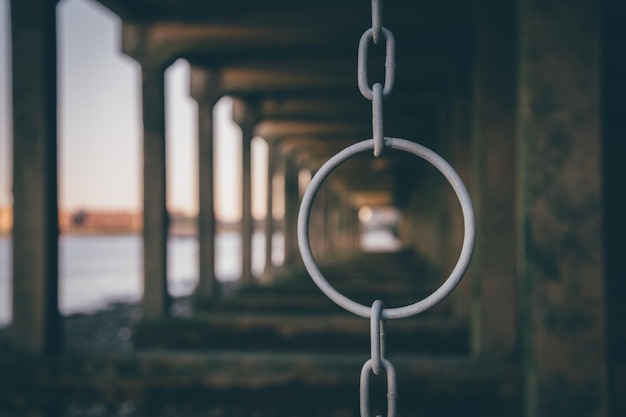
(468, 240)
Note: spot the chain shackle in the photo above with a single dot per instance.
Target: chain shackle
(390, 62)
(392, 393)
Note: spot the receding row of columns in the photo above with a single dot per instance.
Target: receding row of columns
(36, 318)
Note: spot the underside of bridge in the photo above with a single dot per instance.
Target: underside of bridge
(520, 97)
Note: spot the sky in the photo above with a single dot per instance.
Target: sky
(99, 131)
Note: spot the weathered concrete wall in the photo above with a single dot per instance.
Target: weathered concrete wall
(614, 172)
(561, 261)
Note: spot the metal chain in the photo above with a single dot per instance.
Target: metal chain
(377, 313)
(377, 332)
(376, 362)
(375, 93)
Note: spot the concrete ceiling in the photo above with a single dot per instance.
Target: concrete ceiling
(297, 62)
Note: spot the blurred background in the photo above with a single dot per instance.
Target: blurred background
(154, 155)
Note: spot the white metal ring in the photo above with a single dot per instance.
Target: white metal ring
(468, 240)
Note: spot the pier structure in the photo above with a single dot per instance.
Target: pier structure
(521, 97)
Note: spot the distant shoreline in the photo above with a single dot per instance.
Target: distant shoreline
(108, 232)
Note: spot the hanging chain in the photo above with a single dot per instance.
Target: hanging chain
(375, 93)
(377, 362)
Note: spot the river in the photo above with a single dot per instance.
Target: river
(95, 270)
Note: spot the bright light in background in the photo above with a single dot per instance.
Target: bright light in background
(365, 214)
(379, 229)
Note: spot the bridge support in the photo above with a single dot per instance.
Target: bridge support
(204, 89)
(155, 302)
(36, 326)
(562, 264)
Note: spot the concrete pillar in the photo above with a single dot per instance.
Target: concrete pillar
(614, 204)
(322, 238)
(246, 204)
(155, 302)
(292, 206)
(317, 226)
(36, 323)
(331, 224)
(561, 253)
(344, 219)
(205, 90)
(244, 115)
(269, 217)
(494, 310)
(457, 153)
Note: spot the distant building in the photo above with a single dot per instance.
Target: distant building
(84, 221)
(6, 220)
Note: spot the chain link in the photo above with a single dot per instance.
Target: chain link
(376, 362)
(377, 334)
(377, 120)
(375, 93)
(392, 395)
(390, 62)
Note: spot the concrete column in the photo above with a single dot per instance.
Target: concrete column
(36, 323)
(292, 200)
(561, 253)
(269, 218)
(334, 230)
(246, 204)
(458, 151)
(494, 318)
(330, 223)
(317, 225)
(155, 301)
(244, 116)
(614, 204)
(341, 227)
(205, 90)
